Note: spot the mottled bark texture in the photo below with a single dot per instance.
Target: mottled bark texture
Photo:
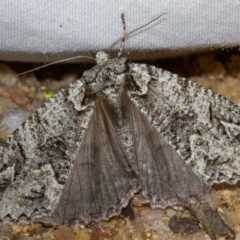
(121, 128)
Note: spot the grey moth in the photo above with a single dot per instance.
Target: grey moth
(120, 129)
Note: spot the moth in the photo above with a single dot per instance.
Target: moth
(120, 129)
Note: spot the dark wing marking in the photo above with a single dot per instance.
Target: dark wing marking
(202, 126)
(101, 181)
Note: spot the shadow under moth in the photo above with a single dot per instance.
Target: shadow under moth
(120, 129)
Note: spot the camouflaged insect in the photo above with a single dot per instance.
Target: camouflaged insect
(120, 129)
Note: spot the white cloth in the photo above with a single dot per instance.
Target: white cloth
(49, 30)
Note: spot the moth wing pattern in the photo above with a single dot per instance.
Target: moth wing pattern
(121, 128)
(165, 178)
(64, 156)
(37, 157)
(102, 181)
(202, 126)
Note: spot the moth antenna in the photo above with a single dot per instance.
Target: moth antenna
(125, 35)
(49, 64)
(121, 49)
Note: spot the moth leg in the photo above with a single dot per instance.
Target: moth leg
(211, 221)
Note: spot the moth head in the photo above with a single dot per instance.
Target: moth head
(101, 58)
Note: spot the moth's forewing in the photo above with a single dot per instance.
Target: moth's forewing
(37, 158)
(202, 126)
